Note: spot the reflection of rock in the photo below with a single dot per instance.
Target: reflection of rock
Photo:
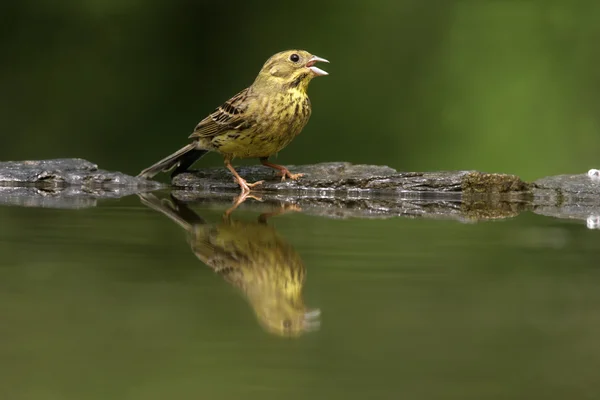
(253, 257)
(34, 197)
(64, 197)
(365, 205)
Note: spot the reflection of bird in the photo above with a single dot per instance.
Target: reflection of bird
(255, 123)
(252, 257)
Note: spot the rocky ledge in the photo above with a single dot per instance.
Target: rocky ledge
(66, 172)
(336, 189)
(343, 177)
(64, 183)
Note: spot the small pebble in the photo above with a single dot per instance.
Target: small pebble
(593, 222)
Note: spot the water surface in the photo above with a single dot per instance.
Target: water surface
(111, 302)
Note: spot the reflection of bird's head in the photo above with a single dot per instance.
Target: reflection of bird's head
(282, 318)
(274, 290)
(289, 69)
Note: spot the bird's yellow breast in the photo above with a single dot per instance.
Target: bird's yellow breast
(275, 120)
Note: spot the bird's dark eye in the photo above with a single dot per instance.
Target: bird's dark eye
(287, 324)
(294, 57)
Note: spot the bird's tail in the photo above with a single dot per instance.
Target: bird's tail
(182, 159)
(176, 210)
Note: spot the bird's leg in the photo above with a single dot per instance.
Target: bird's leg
(283, 171)
(245, 186)
(237, 201)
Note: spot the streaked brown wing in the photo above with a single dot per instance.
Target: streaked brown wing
(229, 116)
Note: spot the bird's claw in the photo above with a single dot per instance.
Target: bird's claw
(242, 197)
(251, 196)
(239, 199)
(287, 174)
(245, 186)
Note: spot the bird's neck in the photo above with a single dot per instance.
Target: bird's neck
(296, 86)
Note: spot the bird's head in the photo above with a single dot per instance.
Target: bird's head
(286, 318)
(290, 69)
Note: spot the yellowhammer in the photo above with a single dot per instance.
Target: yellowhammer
(257, 122)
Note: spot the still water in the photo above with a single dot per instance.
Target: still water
(122, 301)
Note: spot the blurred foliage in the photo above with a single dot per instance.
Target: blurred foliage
(496, 85)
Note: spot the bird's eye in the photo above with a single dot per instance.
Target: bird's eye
(294, 57)
(287, 324)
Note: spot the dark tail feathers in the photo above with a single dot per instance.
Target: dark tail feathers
(182, 158)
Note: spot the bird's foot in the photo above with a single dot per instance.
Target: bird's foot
(246, 196)
(245, 186)
(239, 200)
(285, 173)
(255, 183)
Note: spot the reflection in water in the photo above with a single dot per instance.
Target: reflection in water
(253, 257)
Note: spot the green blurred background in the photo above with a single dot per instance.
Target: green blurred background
(501, 86)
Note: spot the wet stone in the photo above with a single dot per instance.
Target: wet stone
(64, 183)
(333, 190)
(352, 178)
(64, 172)
(567, 189)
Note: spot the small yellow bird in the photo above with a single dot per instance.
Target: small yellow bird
(257, 122)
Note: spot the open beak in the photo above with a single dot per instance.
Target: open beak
(311, 65)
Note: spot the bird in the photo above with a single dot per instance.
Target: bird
(257, 122)
(251, 256)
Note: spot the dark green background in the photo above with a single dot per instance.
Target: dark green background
(503, 86)
(111, 303)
